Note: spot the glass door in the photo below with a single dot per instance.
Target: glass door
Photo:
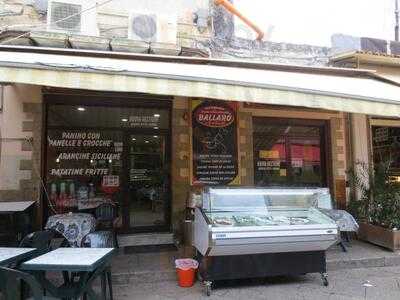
(147, 182)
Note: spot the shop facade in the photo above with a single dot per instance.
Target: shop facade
(146, 142)
(379, 134)
(137, 151)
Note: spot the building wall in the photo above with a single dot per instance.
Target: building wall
(220, 39)
(391, 72)
(336, 167)
(20, 161)
(180, 161)
(112, 21)
(181, 186)
(21, 130)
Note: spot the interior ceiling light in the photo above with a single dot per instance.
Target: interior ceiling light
(81, 108)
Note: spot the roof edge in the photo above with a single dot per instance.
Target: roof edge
(194, 60)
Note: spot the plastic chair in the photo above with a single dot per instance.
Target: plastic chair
(98, 239)
(41, 240)
(101, 239)
(105, 215)
(13, 277)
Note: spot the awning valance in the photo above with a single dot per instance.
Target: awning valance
(358, 94)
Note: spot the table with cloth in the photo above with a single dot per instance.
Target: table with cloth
(345, 222)
(343, 219)
(73, 226)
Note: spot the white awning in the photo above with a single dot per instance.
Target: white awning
(352, 92)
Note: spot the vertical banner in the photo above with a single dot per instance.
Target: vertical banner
(214, 143)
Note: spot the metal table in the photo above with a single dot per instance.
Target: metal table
(73, 226)
(10, 256)
(14, 255)
(12, 209)
(87, 263)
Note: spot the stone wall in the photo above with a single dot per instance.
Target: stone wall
(21, 127)
(217, 39)
(245, 138)
(111, 21)
(180, 161)
(270, 52)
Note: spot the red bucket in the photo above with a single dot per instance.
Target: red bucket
(186, 271)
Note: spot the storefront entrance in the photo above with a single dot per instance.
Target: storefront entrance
(148, 181)
(119, 155)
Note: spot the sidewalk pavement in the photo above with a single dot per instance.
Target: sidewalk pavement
(159, 267)
(344, 284)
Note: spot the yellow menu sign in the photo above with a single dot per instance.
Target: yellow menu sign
(269, 154)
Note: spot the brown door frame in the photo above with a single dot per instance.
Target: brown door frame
(167, 209)
(96, 98)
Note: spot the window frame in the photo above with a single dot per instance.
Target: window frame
(325, 145)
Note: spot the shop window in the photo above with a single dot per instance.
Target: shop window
(288, 154)
(107, 154)
(84, 168)
(87, 154)
(386, 147)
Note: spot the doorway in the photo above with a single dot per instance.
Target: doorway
(147, 191)
(118, 152)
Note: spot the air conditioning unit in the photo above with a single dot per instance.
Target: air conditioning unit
(72, 17)
(152, 28)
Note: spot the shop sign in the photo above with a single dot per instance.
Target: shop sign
(76, 153)
(214, 146)
(269, 154)
(144, 121)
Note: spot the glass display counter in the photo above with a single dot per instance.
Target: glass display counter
(251, 232)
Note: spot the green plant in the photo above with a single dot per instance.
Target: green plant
(378, 200)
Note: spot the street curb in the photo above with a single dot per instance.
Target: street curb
(332, 265)
(360, 263)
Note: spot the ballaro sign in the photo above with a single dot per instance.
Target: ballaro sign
(214, 137)
(214, 116)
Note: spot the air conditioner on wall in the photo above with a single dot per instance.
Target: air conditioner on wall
(72, 17)
(152, 28)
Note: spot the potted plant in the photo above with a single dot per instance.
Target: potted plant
(377, 206)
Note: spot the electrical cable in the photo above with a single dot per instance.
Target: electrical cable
(60, 20)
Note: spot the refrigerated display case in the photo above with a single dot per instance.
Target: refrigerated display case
(252, 232)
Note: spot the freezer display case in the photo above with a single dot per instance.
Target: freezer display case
(251, 232)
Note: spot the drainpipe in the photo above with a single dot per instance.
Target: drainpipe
(229, 7)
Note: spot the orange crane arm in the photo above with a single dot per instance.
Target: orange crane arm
(229, 7)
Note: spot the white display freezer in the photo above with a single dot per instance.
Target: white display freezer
(263, 232)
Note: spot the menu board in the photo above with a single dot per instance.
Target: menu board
(214, 147)
(77, 153)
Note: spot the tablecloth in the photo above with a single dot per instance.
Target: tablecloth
(73, 226)
(343, 219)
